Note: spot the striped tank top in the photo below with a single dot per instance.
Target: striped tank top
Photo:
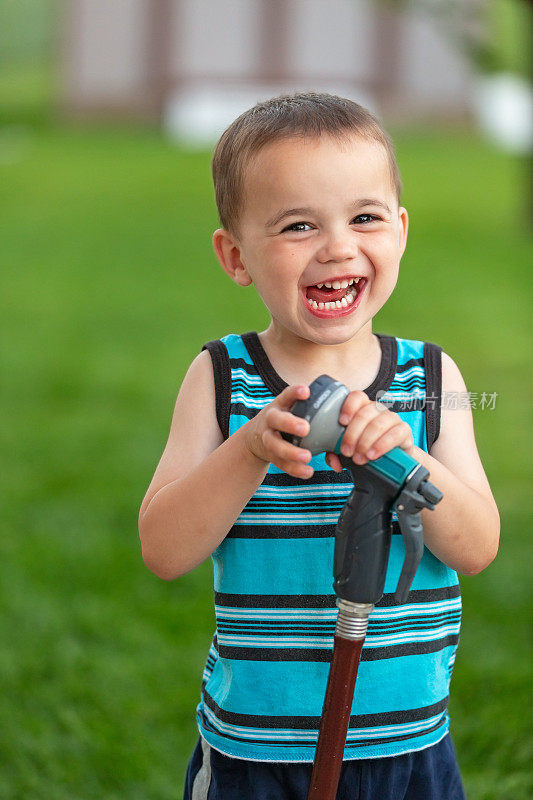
(266, 672)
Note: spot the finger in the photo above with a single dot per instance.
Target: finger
(398, 436)
(376, 427)
(356, 426)
(286, 422)
(287, 398)
(304, 471)
(279, 449)
(352, 404)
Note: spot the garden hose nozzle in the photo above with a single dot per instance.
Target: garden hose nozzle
(395, 481)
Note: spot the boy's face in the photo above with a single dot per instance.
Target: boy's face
(315, 212)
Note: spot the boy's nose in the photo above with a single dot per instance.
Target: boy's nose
(338, 246)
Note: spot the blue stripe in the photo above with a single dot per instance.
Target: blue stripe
(240, 566)
(382, 686)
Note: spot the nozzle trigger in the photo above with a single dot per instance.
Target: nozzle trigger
(417, 493)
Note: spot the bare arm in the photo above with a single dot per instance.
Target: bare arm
(463, 530)
(202, 483)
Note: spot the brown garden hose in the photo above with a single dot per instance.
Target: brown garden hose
(350, 634)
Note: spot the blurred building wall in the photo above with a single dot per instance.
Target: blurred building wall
(183, 60)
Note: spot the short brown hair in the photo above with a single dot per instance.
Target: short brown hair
(307, 114)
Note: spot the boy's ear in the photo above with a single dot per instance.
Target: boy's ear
(228, 253)
(403, 228)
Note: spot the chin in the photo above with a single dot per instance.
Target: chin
(331, 337)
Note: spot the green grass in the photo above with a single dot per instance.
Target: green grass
(109, 290)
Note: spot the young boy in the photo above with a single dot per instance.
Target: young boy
(308, 193)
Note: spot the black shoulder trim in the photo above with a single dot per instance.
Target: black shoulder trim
(271, 379)
(387, 368)
(222, 374)
(433, 370)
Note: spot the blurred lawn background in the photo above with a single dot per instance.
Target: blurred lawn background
(109, 290)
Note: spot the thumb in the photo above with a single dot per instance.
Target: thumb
(287, 398)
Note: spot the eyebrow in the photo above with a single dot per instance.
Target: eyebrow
(289, 212)
(372, 201)
(295, 212)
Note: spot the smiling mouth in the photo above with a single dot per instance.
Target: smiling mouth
(332, 298)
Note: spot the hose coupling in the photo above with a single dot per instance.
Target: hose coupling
(352, 619)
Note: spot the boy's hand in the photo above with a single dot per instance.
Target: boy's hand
(264, 438)
(371, 430)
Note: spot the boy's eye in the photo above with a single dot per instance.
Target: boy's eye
(364, 219)
(298, 227)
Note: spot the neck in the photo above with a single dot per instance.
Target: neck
(354, 362)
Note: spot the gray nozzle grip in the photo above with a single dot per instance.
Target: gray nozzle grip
(321, 410)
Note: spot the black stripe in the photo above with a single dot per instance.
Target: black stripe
(413, 362)
(240, 363)
(275, 600)
(413, 623)
(412, 382)
(434, 595)
(283, 531)
(324, 654)
(287, 530)
(303, 723)
(325, 627)
(222, 379)
(320, 478)
(255, 392)
(327, 600)
(408, 391)
(433, 369)
(243, 411)
(312, 502)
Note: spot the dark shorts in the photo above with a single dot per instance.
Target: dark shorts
(430, 774)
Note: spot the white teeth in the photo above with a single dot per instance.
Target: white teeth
(344, 302)
(338, 284)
